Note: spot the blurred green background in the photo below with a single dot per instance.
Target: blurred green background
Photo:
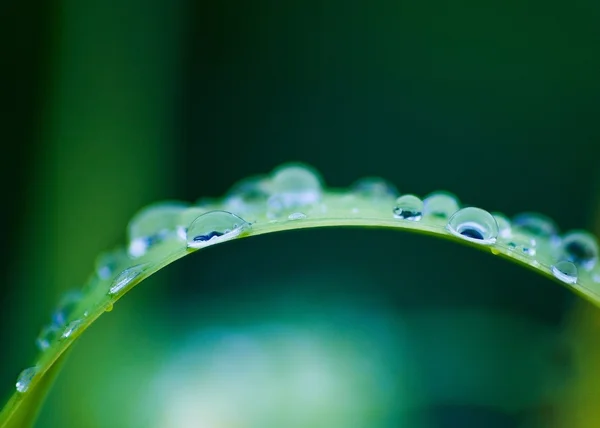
(109, 106)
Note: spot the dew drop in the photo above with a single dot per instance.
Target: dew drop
(66, 306)
(475, 225)
(441, 204)
(581, 248)
(408, 207)
(523, 243)
(25, 378)
(297, 216)
(152, 224)
(248, 196)
(107, 263)
(565, 271)
(47, 336)
(71, 328)
(504, 228)
(297, 184)
(214, 227)
(375, 188)
(537, 225)
(125, 278)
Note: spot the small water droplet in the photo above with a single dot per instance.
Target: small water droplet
(71, 328)
(107, 263)
(475, 225)
(126, 278)
(293, 186)
(441, 204)
(522, 243)
(375, 188)
(581, 248)
(297, 216)
(248, 196)
(214, 227)
(408, 207)
(47, 336)
(152, 224)
(109, 307)
(25, 378)
(537, 225)
(504, 226)
(565, 271)
(66, 306)
(297, 184)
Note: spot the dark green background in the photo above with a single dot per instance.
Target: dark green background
(111, 106)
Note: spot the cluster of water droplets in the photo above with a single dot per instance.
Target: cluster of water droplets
(294, 193)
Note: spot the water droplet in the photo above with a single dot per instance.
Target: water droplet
(565, 271)
(408, 207)
(25, 378)
(152, 224)
(109, 307)
(47, 336)
(475, 225)
(214, 227)
(580, 248)
(375, 188)
(522, 243)
(248, 196)
(107, 263)
(66, 306)
(504, 227)
(297, 216)
(126, 278)
(537, 225)
(71, 328)
(441, 204)
(293, 186)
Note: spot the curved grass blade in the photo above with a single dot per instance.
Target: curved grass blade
(293, 197)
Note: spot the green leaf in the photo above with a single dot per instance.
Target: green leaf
(293, 197)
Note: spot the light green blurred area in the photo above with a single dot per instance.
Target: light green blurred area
(109, 147)
(298, 359)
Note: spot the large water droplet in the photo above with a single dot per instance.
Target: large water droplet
(537, 225)
(375, 188)
(126, 278)
(475, 225)
(25, 378)
(565, 271)
(71, 328)
(580, 248)
(152, 224)
(408, 207)
(47, 336)
(214, 227)
(441, 204)
(66, 306)
(504, 227)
